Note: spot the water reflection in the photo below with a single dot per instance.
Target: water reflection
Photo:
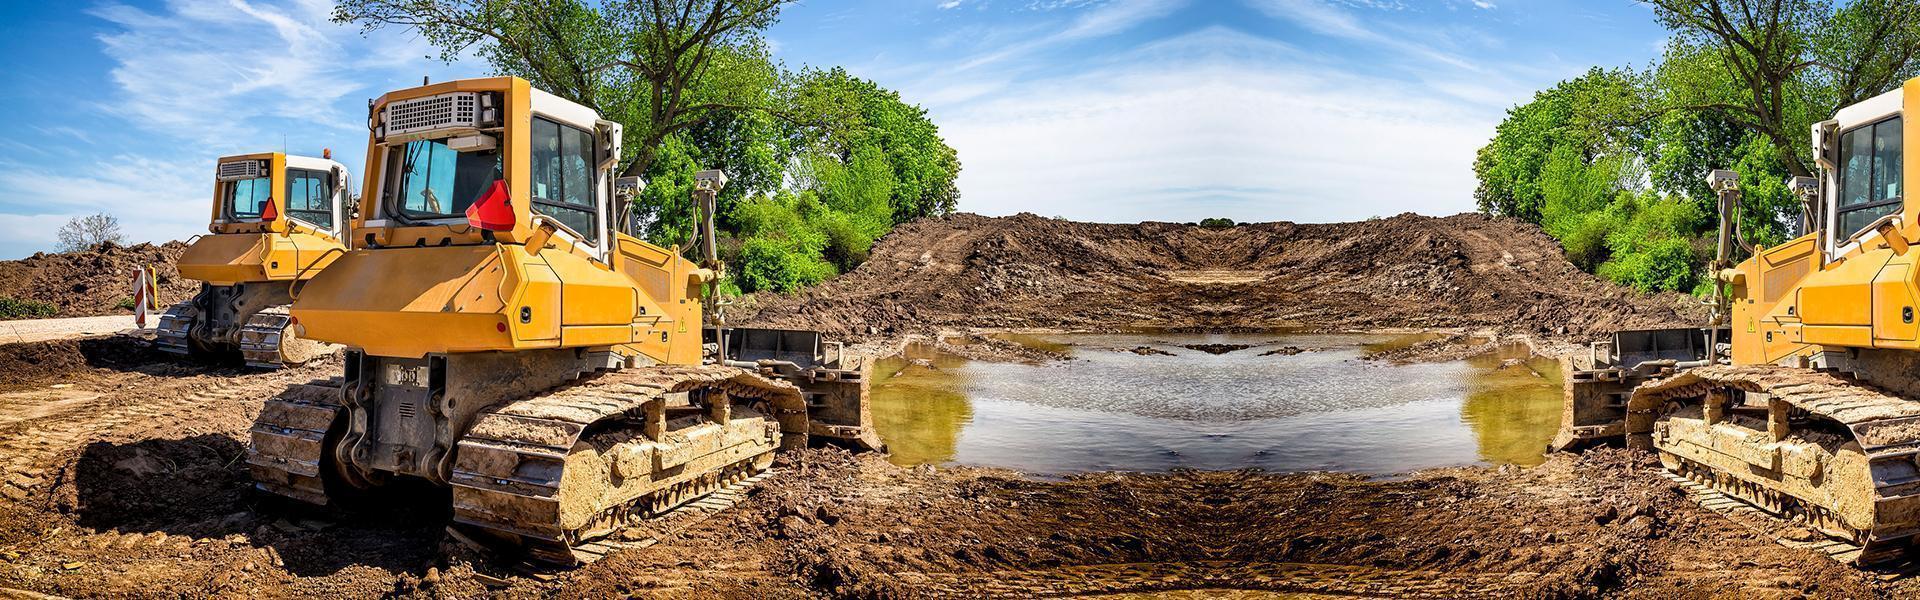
(1513, 404)
(1289, 403)
(920, 405)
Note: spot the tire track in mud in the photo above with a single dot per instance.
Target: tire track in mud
(39, 441)
(1309, 578)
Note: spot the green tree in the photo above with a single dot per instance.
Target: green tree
(1581, 115)
(658, 67)
(1774, 67)
(837, 114)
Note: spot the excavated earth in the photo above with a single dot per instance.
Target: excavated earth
(125, 475)
(1408, 271)
(95, 282)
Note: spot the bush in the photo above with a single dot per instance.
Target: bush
(847, 245)
(25, 309)
(1217, 223)
(1667, 264)
(1585, 239)
(770, 263)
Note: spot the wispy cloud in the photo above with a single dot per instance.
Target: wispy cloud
(156, 199)
(1216, 122)
(210, 71)
(1098, 21)
(195, 80)
(1326, 19)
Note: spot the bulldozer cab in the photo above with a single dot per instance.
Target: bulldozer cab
(1861, 152)
(279, 193)
(481, 161)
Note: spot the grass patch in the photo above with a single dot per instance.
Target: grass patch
(25, 309)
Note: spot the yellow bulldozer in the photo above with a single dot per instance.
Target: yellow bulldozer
(510, 337)
(276, 220)
(1802, 396)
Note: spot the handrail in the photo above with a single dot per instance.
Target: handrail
(294, 287)
(1893, 217)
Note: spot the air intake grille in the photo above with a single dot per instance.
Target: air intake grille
(245, 169)
(445, 111)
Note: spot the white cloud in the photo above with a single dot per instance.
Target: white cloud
(1216, 123)
(156, 199)
(213, 72)
(1095, 22)
(1330, 20)
(27, 234)
(199, 79)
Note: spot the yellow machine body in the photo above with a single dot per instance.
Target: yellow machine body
(251, 249)
(410, 289)
(1821, 293)
(1804, 406)
(509, 338)
(276, 220)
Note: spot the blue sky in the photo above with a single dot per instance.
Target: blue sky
(1099, 110)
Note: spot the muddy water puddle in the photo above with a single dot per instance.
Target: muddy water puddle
(1153, 402)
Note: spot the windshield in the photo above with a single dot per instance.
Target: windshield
(310, 197)
(245, 197)
(429, 181)
(1869, 176)
(562, 176)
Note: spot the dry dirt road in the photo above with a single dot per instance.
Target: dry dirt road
(124, 479)
(40, 330)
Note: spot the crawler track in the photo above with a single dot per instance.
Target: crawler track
(571, 466)
(557, 471)
(1823, 448)
(176, 328)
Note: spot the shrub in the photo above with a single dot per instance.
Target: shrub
(1217, 223)
(25, 309)
(769, 263)
(1667, 264)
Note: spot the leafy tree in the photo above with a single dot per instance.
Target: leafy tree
(81, 233)
(1776, 66)
(1613, 163)
(837, 114)
(659, 67)
(1580, 114)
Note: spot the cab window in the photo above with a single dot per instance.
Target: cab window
(562, 170)
(309, 198)
(1869, 176)
(437, 182)
(245, 197)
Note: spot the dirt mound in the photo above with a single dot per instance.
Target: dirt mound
(1466, 270)
(97, 281)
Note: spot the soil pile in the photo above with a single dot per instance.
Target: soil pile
(1466, 270)
(97, 281)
